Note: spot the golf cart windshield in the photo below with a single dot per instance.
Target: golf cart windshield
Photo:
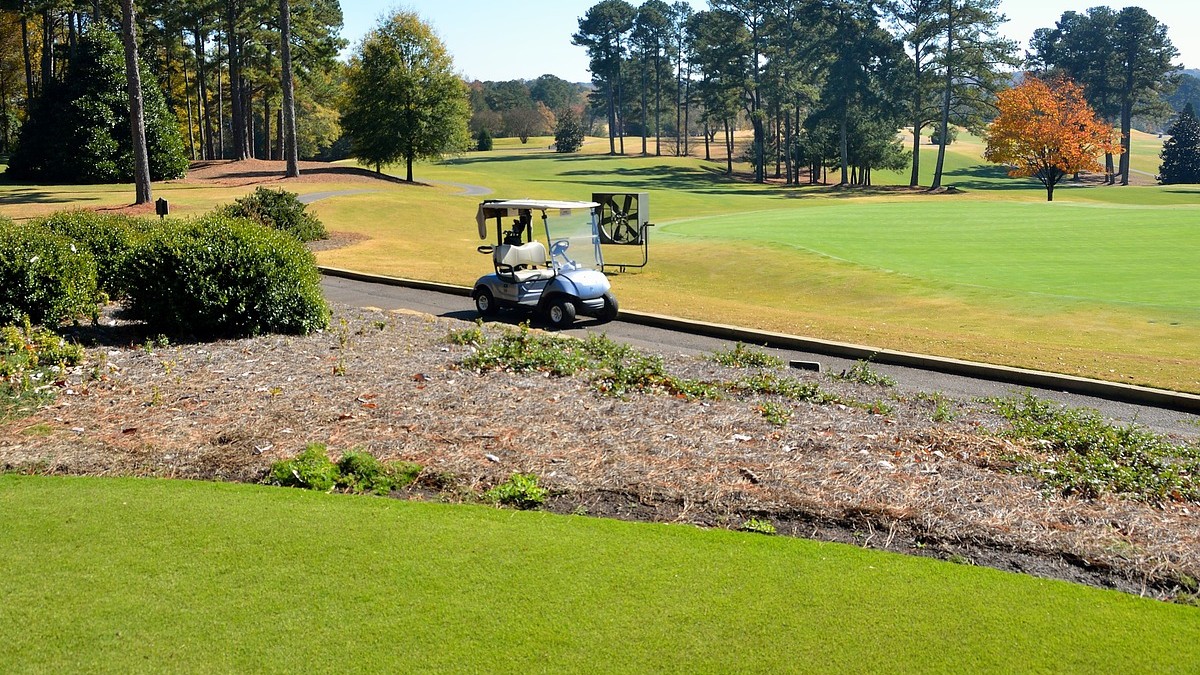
(573, 238)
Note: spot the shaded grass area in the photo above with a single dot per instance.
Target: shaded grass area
(122, 574)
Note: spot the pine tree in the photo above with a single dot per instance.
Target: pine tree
(1181, 153)
(568, 137)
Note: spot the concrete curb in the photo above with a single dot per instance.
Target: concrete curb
(1113, 391)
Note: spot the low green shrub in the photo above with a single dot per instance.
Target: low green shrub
(787, 387)
(37, 346)
(741, 356)
(361, 471)
(472, 336)
(775, 413)
(223, 277)
(1085, 455)
(758, 525)
(29, 358)
(862, 373)
(311, 469)
(356, 471)
(279, 210)
(44, 276)
(520, 490)
(613, 369)
(109, 238)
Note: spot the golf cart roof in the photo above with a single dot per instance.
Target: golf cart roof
(489, 210)
(534, 205)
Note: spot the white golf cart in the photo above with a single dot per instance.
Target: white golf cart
(558, 285)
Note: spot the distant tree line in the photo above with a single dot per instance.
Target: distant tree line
(218, 64)
(522, 108)
(825, 84)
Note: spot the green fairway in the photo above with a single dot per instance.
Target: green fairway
(121, 574)
(1142, 256)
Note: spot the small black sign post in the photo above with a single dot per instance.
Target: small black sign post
(161, 207)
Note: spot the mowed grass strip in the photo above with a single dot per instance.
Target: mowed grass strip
(123, 574)
(1144, 256)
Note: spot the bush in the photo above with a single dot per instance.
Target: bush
(363, 472)
(109, 238)
(219, 276)
(356, 471)
(483, 142)
(29, 360)
(310, 469)
(279, 210)
(568, 133)
(520, 490)
(742, 356)
(861, 373)
(43, 276)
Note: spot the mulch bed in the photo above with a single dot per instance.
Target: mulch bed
(390, 382)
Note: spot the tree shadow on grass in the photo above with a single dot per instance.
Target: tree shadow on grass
(687, 179)
(35, 196)
(984, 177)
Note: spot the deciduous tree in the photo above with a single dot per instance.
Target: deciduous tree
(404, 100)
(1048, 131)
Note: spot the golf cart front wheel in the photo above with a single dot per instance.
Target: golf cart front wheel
(485, 303)
(611, 308)
(561, 313)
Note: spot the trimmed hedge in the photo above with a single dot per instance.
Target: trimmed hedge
(279, 210)
(109, 238)
(223, 277)
(44, 276)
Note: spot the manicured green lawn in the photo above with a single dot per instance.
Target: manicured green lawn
(1143, 256)
(120, 574)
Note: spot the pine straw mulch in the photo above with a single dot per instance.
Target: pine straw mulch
(390, 382)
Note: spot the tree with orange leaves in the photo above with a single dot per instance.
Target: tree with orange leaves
(1047, 130)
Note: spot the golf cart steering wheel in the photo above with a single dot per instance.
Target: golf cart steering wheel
(558, 249)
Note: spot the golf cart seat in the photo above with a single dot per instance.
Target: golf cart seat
(526, 262)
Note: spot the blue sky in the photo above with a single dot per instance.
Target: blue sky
(506, 39)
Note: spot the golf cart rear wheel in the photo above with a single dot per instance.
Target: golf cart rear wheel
(560, 313)
(485, 303)
(611, 308)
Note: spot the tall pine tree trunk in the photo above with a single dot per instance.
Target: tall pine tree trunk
(187, 96)
(844, 149)
(28, 62)
(657, 105)
(137, 117)
(943, 135)
(288, 146)
(1126, 127)
(202, 107)
(645, 63)
(220, 102)
(237, 122)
